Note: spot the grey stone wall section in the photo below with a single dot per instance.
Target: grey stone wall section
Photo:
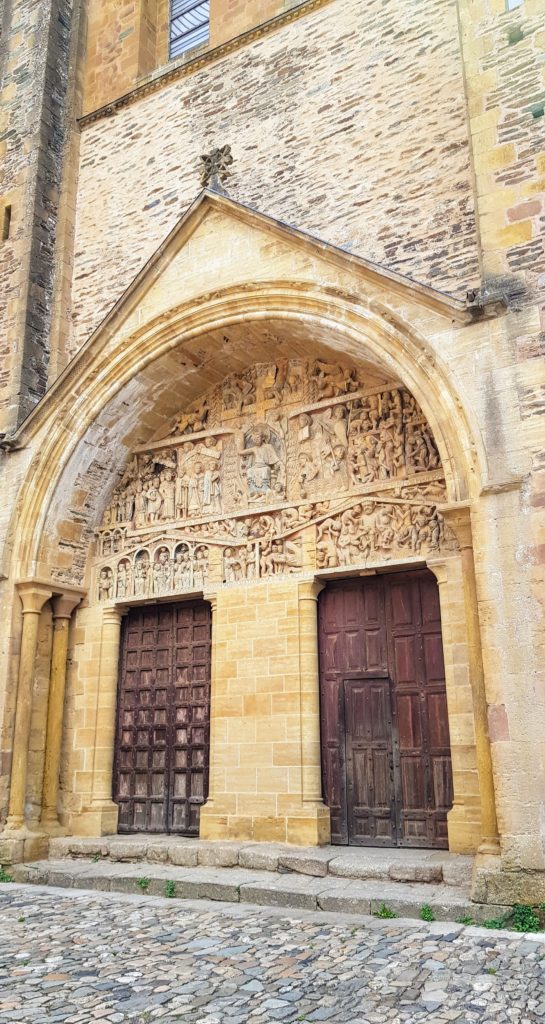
(33, 87)
(349, 123)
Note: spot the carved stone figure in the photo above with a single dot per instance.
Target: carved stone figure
(123, 587)
(263, 460)
(326, 544)
(142, 575)
(182, 568)
(162, 572)
(239, 391)
(140, 506)
(167, 490)
(106, 585)
(333, 380)
(154, 501)
(200, 567)
(264, 455)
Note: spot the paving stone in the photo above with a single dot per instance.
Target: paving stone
(77, 957)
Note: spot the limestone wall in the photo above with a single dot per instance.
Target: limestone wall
(348, 123)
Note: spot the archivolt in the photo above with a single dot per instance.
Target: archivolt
(358, 328)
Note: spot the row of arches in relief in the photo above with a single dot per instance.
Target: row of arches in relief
(162, 570)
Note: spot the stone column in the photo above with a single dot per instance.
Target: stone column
(103, 809)
(464, 817)
(311, 787)
(458, 518)
(212, 752)
(33, 597)
(63, 606)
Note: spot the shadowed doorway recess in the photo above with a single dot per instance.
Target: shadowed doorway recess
(386, 760)
(163, 721)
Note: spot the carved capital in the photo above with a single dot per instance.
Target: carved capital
(439, 568)
(33, 595)
(458, 517)
(64, 604)
(112, 615)
(309, 590)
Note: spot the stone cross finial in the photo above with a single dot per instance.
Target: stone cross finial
(214, 170)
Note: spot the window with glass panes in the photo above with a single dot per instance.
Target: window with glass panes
(189, 25)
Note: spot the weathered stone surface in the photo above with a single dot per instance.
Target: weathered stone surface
(457, 870)
(262, 856)
(271, 895)
(415, 871)
(131, 956)
(183, 855)
(307, 862)
(218, 855)
(128, 851)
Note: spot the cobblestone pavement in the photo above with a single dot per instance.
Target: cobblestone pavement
(85, 957)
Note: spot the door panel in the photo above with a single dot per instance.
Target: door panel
(369, 762)
(386, 763)
(163, 734)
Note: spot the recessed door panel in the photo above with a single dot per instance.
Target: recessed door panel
(163, 734)
(386, 763)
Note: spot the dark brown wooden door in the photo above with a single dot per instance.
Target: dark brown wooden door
(163, 720)
(386, 762)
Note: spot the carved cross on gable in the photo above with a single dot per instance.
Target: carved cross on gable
(214, 170)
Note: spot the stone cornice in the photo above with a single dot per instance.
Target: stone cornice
(173, 72)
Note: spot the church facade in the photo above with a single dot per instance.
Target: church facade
(272, 446)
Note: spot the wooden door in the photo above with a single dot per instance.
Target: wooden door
(163, 719)
(386, 764)
(421, 715)
(370, 783)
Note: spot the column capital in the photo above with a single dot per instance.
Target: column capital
(440, 568)
(458, 517)
(64, 604)
(34, 595)
(309, 590)
(112, 614)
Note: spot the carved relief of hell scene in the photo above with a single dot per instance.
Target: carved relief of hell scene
(282, 469)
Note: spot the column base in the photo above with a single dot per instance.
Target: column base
(53, 827)
(302, 826)
(505, 888)
(17, 846)
(96, 820)
(464, 829)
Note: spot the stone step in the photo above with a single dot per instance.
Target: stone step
(244, 885)
(363, 863)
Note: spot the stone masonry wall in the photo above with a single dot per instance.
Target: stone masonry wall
(33, 83)
(229, 17)
(349, 123)
(505, 74)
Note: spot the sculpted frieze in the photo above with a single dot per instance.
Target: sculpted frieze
(284, 468)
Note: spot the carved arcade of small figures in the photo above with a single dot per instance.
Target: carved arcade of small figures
(264, 455)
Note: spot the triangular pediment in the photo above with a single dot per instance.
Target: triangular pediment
(219, 243)
(222, 248)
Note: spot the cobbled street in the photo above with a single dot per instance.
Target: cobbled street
(84, 957)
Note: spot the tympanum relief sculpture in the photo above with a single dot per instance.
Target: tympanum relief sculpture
(296, 467)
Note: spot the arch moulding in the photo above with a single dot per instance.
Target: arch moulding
(360, 328)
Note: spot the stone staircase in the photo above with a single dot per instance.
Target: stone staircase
(342, 880)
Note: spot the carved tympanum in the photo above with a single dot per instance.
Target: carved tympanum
(281, 469)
